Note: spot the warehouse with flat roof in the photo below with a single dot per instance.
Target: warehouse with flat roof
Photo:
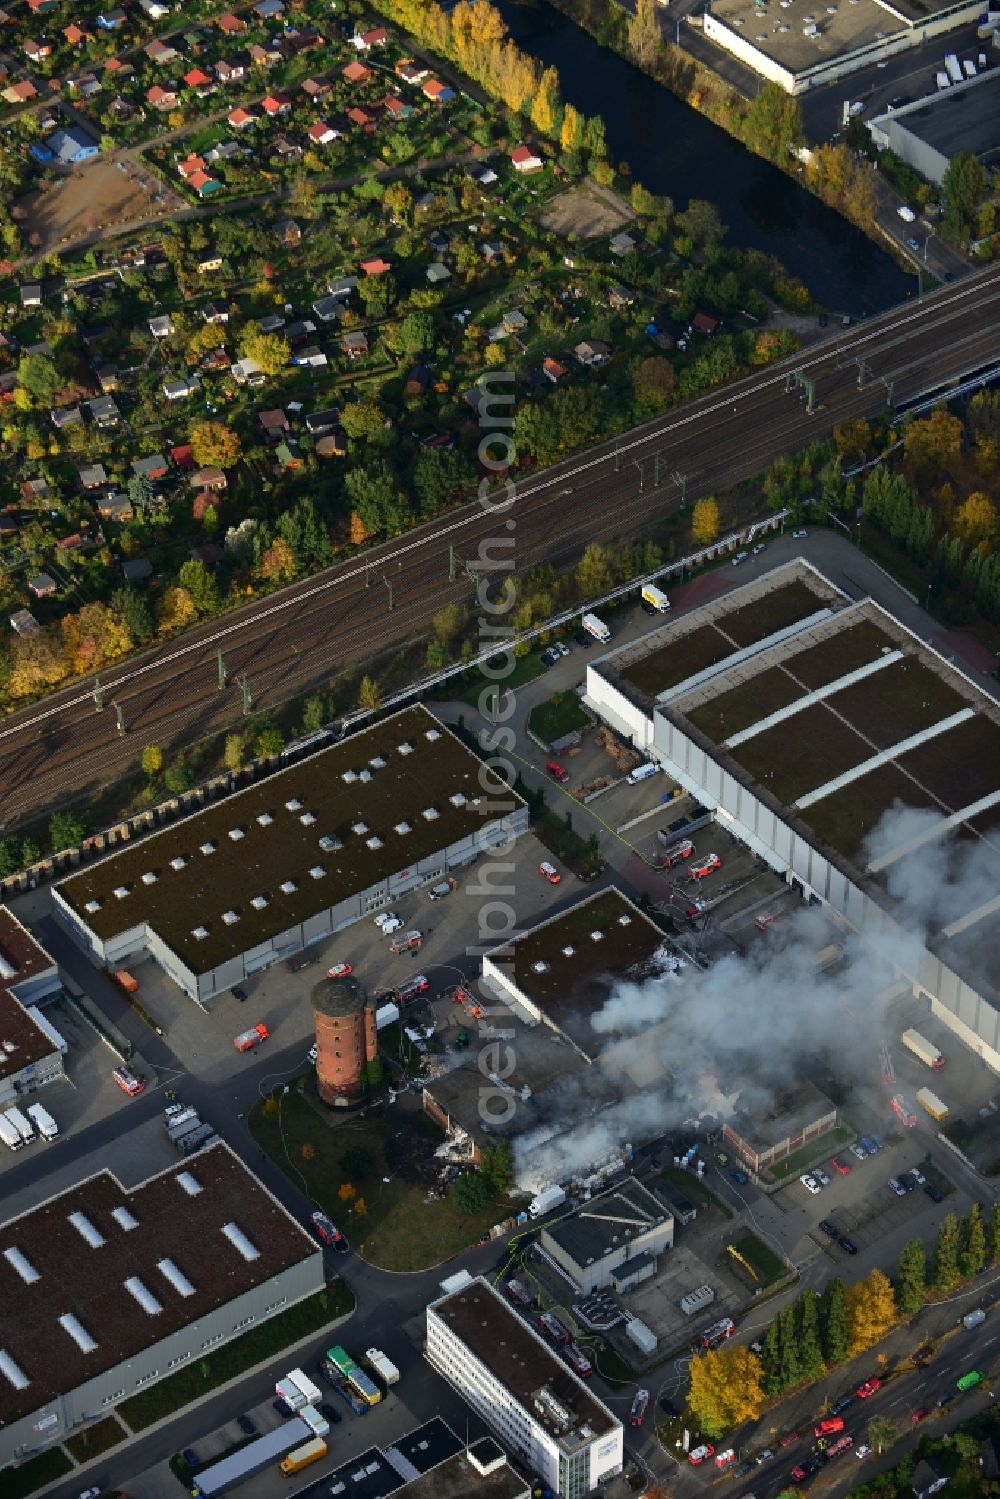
(845, 753)
(536, 1406)
(616, 1237)
(291, 859)
(31, 1052)
(929, 132)
(106, 1289)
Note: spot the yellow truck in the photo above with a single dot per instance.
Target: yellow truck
(301, 1457)
(930, 1101)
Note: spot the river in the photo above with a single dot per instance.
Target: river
(673, 149)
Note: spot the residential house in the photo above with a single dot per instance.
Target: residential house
(23, 622)
(288, 454)
(214, 359)
(524, 159)
(224, 151)
(295, 42)
(592, 352)
(40, 152)
(264, 57)
(333, 445)
(157, 10)
(287, 149)
(160, 53)
(356, 72)
(289, 232)
(38, 49)
(42, 586)
(317, 89)
(276, 104)
(396, 108)
(92, 476)
(620, 244)
(369, 39)
(20, 93)
(439, 241)
(355, 345)
(204, 185)
(363, 118)
(71, 146)
(268, 9)
(137, 570)
(620, 297)
(182, 457)
(42, 7)
(241, 119)
(705, 324)
(311, 358)
(215, 312)
(162, 99)
(211, 553)
(191, 164)
(200, 81)
(111, 20)
(33, 491)
(247, 372)
(104, 411)
(31, 294)
(115, 505)
(82, 86)
(230, 24)
(437, 273)
(491, 249)
(328, 309)
(231, 70)
(319, 422)
(161, 326)
(65, 416)
(181, 388)
(106, 376)
(376, 266)
(76, 36)
(554, 369)
(928, 1478)
(208, 478)
(271, 322)
(153, 467)
(417, 381)
(342, 286)
(437, 92)
(120, 68)
(411, 71)
(484, 176)
(300, 331)
(514, 321)
(274, 423)
(321, 133)
(212, 262)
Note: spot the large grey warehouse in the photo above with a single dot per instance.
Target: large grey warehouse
(284, 863)
(806, 721)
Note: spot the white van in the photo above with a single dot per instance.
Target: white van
(906, 214)
(43, 1121)
(641, 773)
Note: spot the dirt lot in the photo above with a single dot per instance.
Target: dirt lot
(92, 197)
(587, 211)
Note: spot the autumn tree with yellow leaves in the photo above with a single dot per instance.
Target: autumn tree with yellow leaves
(726, 1389)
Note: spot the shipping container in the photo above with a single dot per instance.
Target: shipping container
(930, 1101)
(954, 68)
(301, 1457)
(696, 1301)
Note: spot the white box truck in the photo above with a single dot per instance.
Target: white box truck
(312, 1392)
(641, 773)
(546, 1200)
(953, 68)
(655, 598)
(943, 81)
(9, 1135)
(43, 1121)
(930, 1101)
(384, 1367)
(317, 1424)
(287, 1390)
(906, 214)
(596, 627)
(21, 1124)
(922, 1048)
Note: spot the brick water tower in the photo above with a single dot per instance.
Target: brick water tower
(346, 1040)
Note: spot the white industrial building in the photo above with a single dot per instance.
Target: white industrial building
(286, 862)
(106, 1290)
(537, 1407)
(801, 731)
(31, 1050)
(615, 1239)
(928, 133)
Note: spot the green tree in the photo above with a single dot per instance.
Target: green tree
(369, 695)
(232, 755)
(178, 777)
(268, 350)
(313, 713)
(911, 1278)
(137, 612)
(471, 1192)
(770, 1359)
(726, 1389)
(705, 521)
(496, 1164)
(789, 1347)
(66, 830)
(439, 476)
(595, 570)
(772, 124)
(413, 335)
(882, 1431)
(993, 1236)
(374, 1071)
(972, 1242)
(810, 1351)
(653, 382)
(39, 376)
(835, 1329)
(151, 761)
(946, 1274)
(362, 418)
(269, 741)
(201, 584)
(963, 187)
(700, 221)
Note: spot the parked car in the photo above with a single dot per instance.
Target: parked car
(740, 557)
(384, 917)
(329, 1412)
(239, 993)
(246, 1426)
(583, 639)
(920, 1414)
(640, 1400)
(869, 1388)
(821, 1176)
(550, 872)
(918, 1177)
(699, 1454)
(789, 1439)
(895, 1185)
(764, 1457)
(913, 244)
(806, 1468)
(923, 1355)
(870, 1143)
(742, 1471)
(327, 1232)
(800, 535)
(810, 1185)
(740, 1178)
(390, 926)
(859, 1150)
(830, 1229)
(557, 772)
(840, 1166)
(933, 1193)
(190, 1457)
(846, 1244)
(760, 547)
(340, 970)
(561, 647)
(841, 1405)
(549, 656)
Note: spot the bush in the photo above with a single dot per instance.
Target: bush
(471, 1192)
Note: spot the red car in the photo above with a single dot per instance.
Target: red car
(841, 1167)
(557, 772)
(828, 1425)
(340, 970)
(550, 872)
(920, 1414)
(864, 1391)
(698, 1455)
(789, 1439)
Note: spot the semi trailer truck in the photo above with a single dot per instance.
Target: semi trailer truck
(922, 1048)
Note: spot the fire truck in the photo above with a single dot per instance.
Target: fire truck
(680, 850)
(719, 1331)
(705, 867)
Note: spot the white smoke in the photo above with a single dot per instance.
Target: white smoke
(681, 1048)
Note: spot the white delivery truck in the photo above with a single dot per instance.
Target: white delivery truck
(943, 81)
(9, 1135)
(21, 1124)
(43, 1121)
(287, 1390)
(312, 1392)
(906, 214)
(596, 627)
(317, 1424)
(641, 773)
(383, 1366)
(954, 68)
(922, 1048)
(655, 598)
(547, 1199)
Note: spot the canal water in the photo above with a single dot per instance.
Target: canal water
(672, 149)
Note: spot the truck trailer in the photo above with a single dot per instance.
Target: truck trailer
(21, 1123)
(655, 598)
(930, 1101)
(309, 1452)
(288, 1391)
(954, 68)
(383, 1366)
(222, 1476)
(317, 1423)
(545, 1201)
(310, 1390)
(922, 1048)
(43, 1121)
(596, 627)
(9, 1135)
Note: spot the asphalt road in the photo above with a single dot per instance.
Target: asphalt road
(63, 748)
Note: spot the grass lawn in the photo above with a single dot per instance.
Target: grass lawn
(466, 689)
(399, 1229)
(558, 715)
(817, 1150)
(767, 1265)
(96, 1439)
(35, 1473)
(254, 1347)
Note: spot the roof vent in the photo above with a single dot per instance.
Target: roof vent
(230, 918)
(403, 827)
(120, 892)
(86, 1229)
(359, 827)
(81, 1337)
(568, 952)
(124, 1218)
(376, 762)
(190, 1184)
(540, 967)
(19, 1261)
(92, 906)
(374, 841)
(143, 1296)
(624, 920)
(405, 748)
(265, 819)
(350, 776)
(12, 1372)
(307, 819)
(259, 902)
(433, 734)
(317, 871)
(176, 1277)
(288, 887)
(364, 775)
(293, 804)
(149, 878)
(457, 799)
(199, 933)
(208, 848)
(236, 834)
(597, 936)
(329, 842)
(178, 862)
(239, 1241)
(430, 814)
